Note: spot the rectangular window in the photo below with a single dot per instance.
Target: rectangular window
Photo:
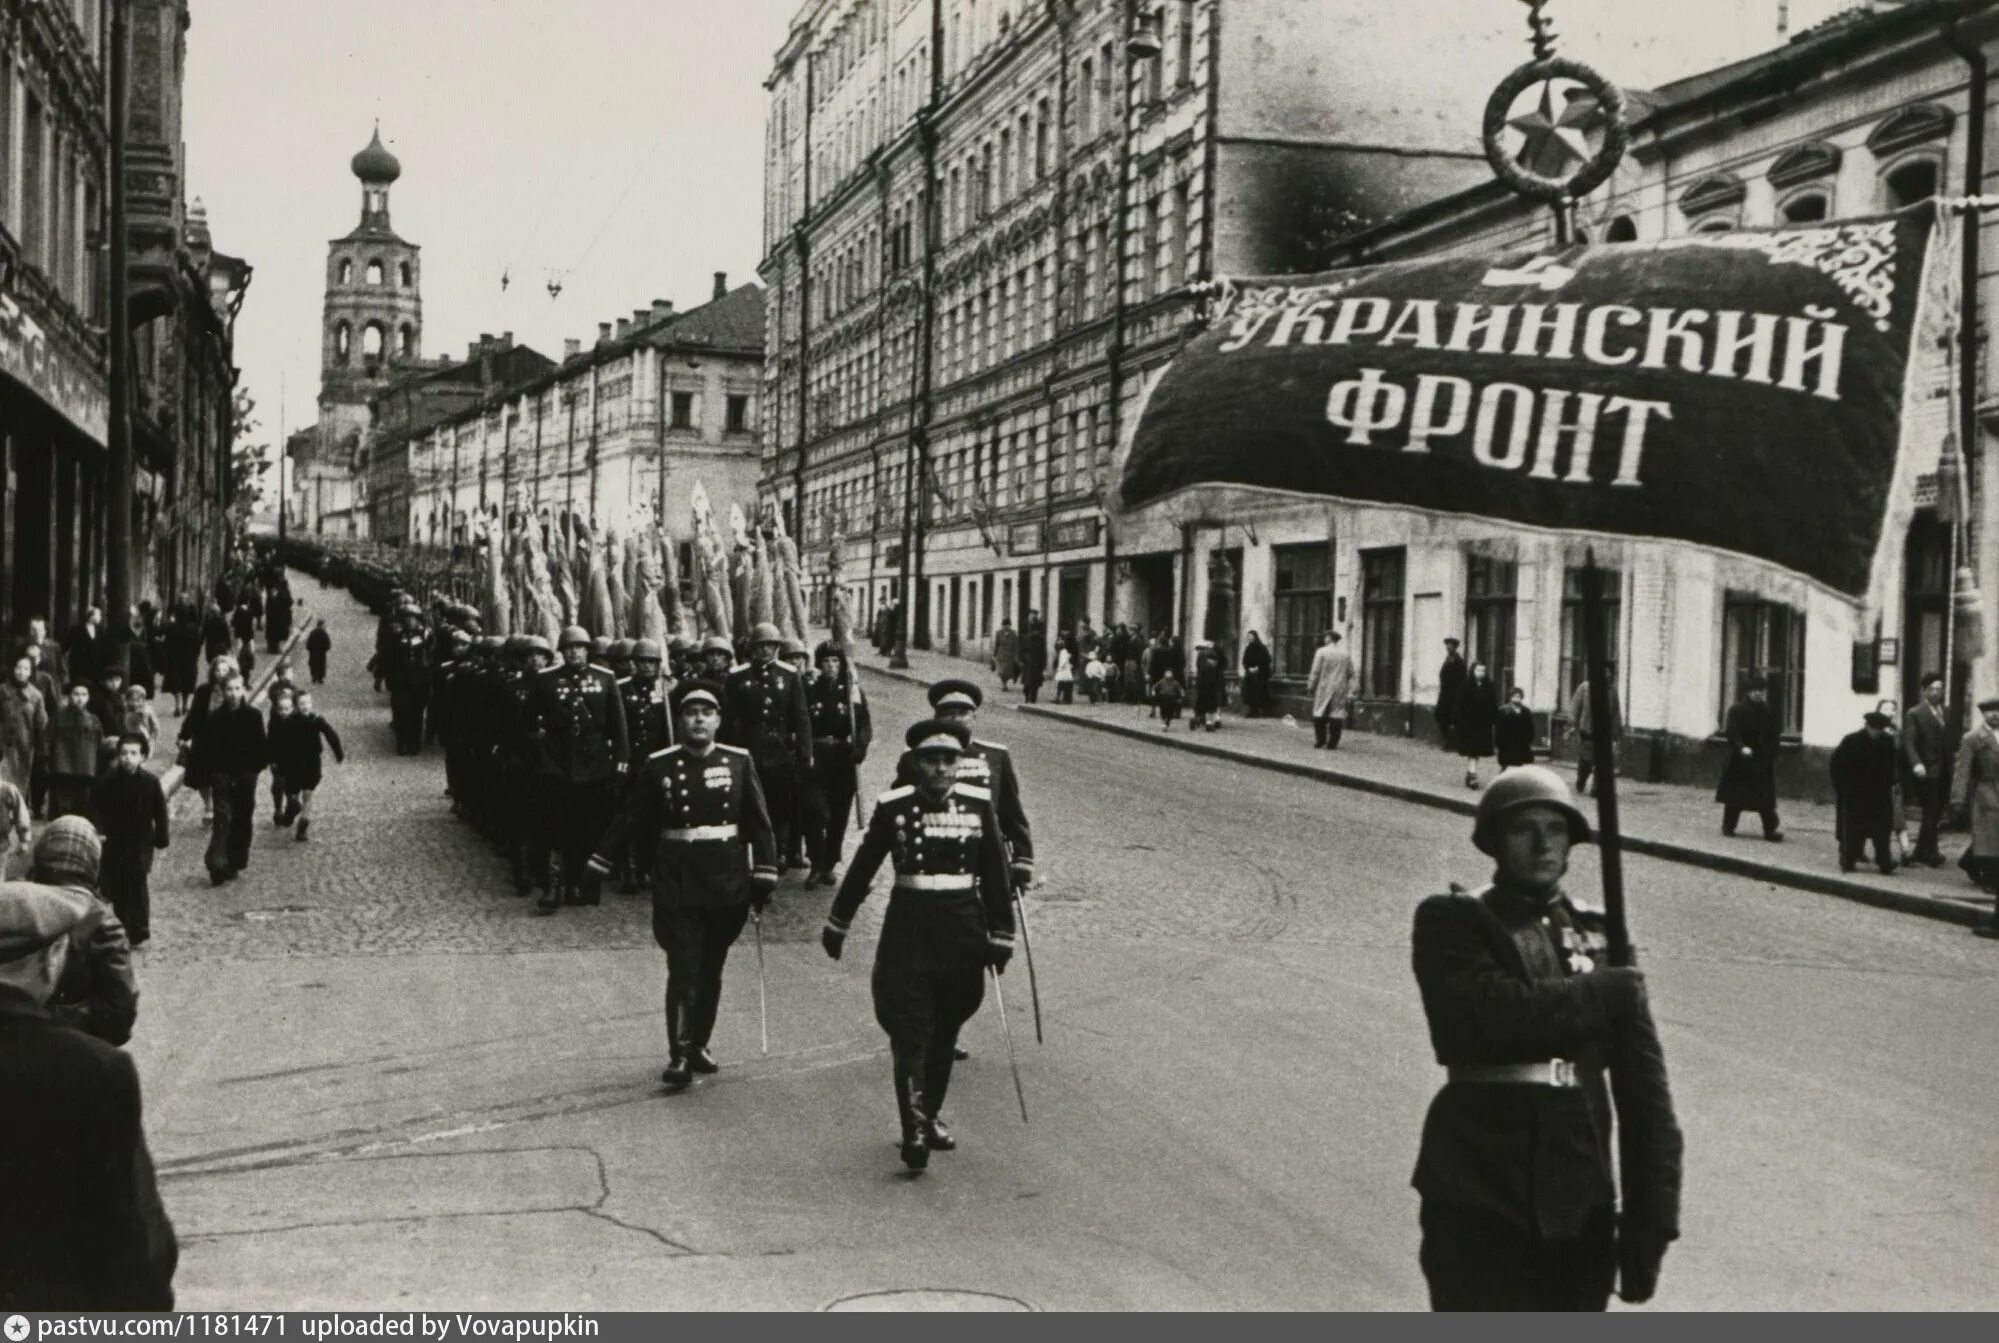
(34, 185)
(1490, 586)
(1301, 605)
(1174, 255)
(1087, 295)
(739, 414)
(683, 410)
(1148, 246)
(1765, 639)
(1155, 69)
(1381, 623)
(1006, 164)
(1184, 67)
(1086, 100)
(1041, 120)
(6, 138)
(1575, 669)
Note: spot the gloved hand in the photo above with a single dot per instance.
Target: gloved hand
(1622, 988)
(997, 955)
(833, 940)
(1640, 1252)
(1023, 876)
(761, 886)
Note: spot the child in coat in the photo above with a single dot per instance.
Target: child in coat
(130, 808)
(1065, 677)
(77, 735)
(1167, 697)
(317, 645)
(1093, 678)
(296, 753)
(138, 716)
(283, 706)
(1513, 734)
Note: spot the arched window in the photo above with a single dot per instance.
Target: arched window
(371, 341)
(346, 271)
(1716, 224)
(1622, 229)
(374, 272)
(343, 342)
(1910, 182)
(1807, 207)
(406, 341)
(404, 271)
(1713, 204)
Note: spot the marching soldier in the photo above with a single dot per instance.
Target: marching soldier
(764, 712)
(842, 730)
(700, 808)
(447, 724)
(578, 721)
(949, 917)
(680, 657)
(988, 765)
(718, 657)
(600, 652)
(526, 793)
(1520, 1202)
(618, 661)
(409, 677)
(645, 694)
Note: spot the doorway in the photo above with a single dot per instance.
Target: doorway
(957, 596)
(1072, 601)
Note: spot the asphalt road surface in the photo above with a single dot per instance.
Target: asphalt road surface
(374, 1080)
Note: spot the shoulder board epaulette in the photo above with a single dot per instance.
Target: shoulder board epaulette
(724, 746)
(549, 671)
(895, 794)
(622, 680)
(975, 792)
(657, 754)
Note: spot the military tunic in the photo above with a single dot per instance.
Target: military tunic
(764, 712)
(408, 668)
(579, 722)
(841, 733)
(989, 765)
(950, 906)
(703, 818)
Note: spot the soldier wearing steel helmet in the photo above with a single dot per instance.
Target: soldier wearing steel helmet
(764, 712)
(645, 694)
(618, 659)
(524, 795)
(578, 722)
(409, 669)
(1520, 1193)
(842, 730)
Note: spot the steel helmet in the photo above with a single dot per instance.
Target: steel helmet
(715, 643)
(1526, 786)
(600, 646)
(644, 650)
(573, 635)
(793, 648)
(680, 643)
(515, 644)
(491, 643)
(621, 649)
(537, 643)
(763, 632)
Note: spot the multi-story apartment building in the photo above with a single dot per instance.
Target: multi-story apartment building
(54, 389)
(982, 217)
(662, 402)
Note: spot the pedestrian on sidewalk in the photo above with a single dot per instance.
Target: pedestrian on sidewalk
(1065, 676)
(1131, 675)
(206, 696)
(1749, 779)
(1330, 685)
(182, 664)
(1513, 735)
(283, 704)
(1477, 716)
(1006, 652)
(75, 739)
(1926, 753)
(1093, 678)
(1898, 814)
(24, 724)
(317, 645)
(85, 1229)
(1255, 677)
(1582, 731)
(1450, 687)
(131, 811)
(297, 755)
(1167, 697)
(1207, 687)
(231, 743)
(950, 916)
(701, 805)
(1974, 795)
(1544, 1046)
(278, 618)
(1033, 659)
(1157, 659)
(138, 716)
(96, 993)
(243, 624)
(1863, 784)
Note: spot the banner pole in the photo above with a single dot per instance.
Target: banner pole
(1596, 655)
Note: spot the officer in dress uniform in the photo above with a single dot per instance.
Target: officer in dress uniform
(763, 711)
(990, 766)
(1520, 1202)
(700, 808)
(578, 720)
(526, 793)
(949, 917)
(648, 720)
(842, 730)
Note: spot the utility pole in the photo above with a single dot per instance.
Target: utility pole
(118, 480)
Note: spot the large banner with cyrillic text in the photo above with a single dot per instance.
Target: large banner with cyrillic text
(1740, 390)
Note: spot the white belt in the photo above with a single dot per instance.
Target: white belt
(923, 881)
(1542, 1072)
(697, 834)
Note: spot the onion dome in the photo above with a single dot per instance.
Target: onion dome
(375, 164)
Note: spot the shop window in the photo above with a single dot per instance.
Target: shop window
(1490, 589)
(1301, 605)
(1381, 579)
(1575, 670)
(1764, 639)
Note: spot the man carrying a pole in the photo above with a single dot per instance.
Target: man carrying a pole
(842, 730)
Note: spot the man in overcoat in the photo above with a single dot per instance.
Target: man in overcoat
(1864, 767)
(1926, 754)
(1749, 778)
(1450, 685)
(1549, 1053)
(1974, 795)
(1331, 687)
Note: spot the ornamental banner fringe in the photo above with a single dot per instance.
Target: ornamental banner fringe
(1741, 391)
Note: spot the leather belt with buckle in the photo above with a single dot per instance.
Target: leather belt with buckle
(699, 833)
(1543, 1072)
(948, 881)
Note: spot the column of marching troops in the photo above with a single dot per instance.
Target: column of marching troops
(708, 778)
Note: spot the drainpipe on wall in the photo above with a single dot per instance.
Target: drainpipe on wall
(1968, 318)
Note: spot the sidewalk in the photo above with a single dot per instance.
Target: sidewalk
(1669, 821)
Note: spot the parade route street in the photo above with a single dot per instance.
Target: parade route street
(373, 1079)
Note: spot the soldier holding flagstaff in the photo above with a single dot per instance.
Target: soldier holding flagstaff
(842, 730)
(949, 917)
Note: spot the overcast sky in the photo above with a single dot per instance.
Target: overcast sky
(617, 143)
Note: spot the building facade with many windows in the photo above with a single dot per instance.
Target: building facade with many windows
(981, 219)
